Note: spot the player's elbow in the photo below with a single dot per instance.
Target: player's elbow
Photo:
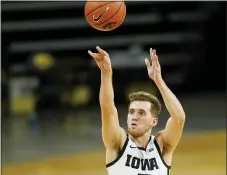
(110, 138)
(106, 99)
(106, 105)
(180, 117)
(108, 109)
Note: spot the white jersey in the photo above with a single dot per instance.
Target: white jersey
(133, 160)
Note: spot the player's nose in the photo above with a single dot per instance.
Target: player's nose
(135, 118)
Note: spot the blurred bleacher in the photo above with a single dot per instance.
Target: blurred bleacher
(179, 31)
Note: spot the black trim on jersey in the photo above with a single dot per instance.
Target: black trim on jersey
(142, 148)
(160, 154)
(120, 153)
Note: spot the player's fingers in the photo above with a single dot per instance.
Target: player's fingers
(156, 59)
(154, 56)
(147, 62)
(101, 51)
(157, 62)
(94, 55)
(90, 53)
(151, 55)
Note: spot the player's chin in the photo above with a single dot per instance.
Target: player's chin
(135, 132)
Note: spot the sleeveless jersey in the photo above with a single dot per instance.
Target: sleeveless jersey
(133, 160)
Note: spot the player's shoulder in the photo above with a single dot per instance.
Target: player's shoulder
(123, 138)
(159, 139)
(158, 135)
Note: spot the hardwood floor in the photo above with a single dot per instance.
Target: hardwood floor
(201, 153)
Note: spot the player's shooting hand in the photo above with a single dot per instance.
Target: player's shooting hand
(154, 69)
(102, 59)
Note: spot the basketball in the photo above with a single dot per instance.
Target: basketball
(105, 15)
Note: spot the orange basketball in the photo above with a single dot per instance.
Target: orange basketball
(105, 15)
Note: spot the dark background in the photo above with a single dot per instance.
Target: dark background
(39, 105)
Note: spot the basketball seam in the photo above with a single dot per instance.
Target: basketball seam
(97, 7)
(111, 16)
(123, 16)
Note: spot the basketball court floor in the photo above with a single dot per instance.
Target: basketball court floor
(74, 146)
(198, 154)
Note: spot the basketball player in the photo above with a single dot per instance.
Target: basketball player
(137, 152)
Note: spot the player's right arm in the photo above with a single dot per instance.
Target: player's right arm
(112, 134)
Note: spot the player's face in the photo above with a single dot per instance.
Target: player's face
(140, 119)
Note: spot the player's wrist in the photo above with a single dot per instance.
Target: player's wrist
(106, 73)
(159, 81)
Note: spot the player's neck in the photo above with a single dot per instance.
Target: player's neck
(141, 141)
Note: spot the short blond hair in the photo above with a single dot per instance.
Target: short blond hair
(144, 96)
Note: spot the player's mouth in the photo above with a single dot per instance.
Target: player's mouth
(134, 125)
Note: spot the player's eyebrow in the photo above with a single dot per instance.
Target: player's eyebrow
(130, 109)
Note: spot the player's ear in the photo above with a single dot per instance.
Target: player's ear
(154, 122)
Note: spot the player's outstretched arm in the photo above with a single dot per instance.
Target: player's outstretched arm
(174, 127)
(112, 133)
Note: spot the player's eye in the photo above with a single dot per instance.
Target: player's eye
(131, 112)
(142, 113)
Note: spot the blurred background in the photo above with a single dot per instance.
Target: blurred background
(50, 86)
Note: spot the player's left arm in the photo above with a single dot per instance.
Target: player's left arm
(175, 124)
